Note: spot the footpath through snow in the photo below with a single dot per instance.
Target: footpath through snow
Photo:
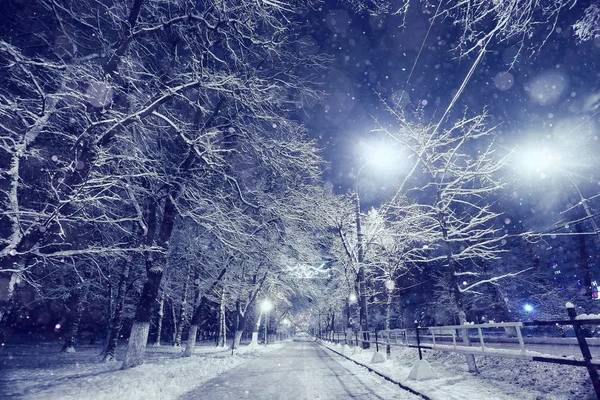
(300, 370)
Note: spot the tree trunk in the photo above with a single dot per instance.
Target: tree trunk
(137, 344)
(462, 319)
(79, 297)
(138, 339)
(222, 322)
(196, 288)
(240, 324)
(111, 315)
(193, 329)
(182, 309)
(116, 322)
(457, 297)
(191, 342)
(255, 328)
(388, 312)
(333, 322)
(8, 285)
(159, 319)
(174, 323)
(155, 265)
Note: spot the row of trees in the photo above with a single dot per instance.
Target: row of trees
(444, 235)
(151, 137)
(151, 164)
(444, 232)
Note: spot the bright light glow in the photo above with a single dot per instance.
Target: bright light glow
(527, 307)
(286, 322)
(538, 159)
(379, 154)
(352, 298)
(390, 285)
(266, 305)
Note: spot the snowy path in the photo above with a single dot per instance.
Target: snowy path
(299, 370)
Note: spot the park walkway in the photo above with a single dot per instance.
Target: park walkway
(300, 370)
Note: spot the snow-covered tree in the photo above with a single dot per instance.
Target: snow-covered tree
(588, 27)
(145, 103)
(455, 174)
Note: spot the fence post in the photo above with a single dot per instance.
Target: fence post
(388, 348)
(521, 342)
(346, 337)
(418, 342)
(355, 338)
(585, 350)
(366, 342)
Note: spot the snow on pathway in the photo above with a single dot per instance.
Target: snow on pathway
(299, 370)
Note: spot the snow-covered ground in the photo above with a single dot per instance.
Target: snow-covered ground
(40, 372)
(499, 378)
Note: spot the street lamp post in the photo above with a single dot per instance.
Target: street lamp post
(362, 284)
(380, 155)
(265, 307)
(266, 332)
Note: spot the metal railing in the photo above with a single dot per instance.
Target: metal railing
(463, 339)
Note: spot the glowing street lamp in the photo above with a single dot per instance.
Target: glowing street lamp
(266, 305)
(543, 160)
(379, 155)
(352, 298)
(539, 159)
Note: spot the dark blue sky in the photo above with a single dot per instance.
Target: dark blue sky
(547, 99)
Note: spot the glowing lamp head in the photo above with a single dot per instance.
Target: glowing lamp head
(528, 308)
(352, 298)
(379, 154)
(538, 159)
(266, 305)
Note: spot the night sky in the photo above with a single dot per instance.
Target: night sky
(547, 98)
